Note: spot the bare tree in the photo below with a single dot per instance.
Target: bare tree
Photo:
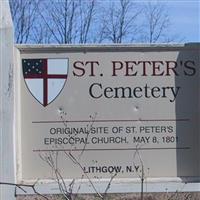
(92, 21)
(86, 15)
(156, 23)
(58, 17)
(51, 159)
(120, 25)
(24, 16)
(68, 21)
(41, 33)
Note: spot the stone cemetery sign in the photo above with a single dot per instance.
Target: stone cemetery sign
(111, 109)
(98, 114)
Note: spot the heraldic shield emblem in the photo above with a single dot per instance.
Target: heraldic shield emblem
(45, 78)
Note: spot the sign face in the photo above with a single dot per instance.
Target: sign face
(111, 112)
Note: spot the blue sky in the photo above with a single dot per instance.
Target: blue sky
(185, 19)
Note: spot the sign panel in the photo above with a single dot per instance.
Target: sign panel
(105, 111)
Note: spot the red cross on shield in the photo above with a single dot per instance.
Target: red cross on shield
(45, 78)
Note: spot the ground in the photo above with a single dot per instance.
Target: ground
(134, 196)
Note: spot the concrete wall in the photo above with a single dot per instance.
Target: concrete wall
(7, 167)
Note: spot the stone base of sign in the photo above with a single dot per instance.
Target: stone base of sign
(131, 196)
(117, 186)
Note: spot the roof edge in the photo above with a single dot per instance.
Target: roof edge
(49, 48)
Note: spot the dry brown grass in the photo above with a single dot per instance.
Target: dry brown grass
(134, 196)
